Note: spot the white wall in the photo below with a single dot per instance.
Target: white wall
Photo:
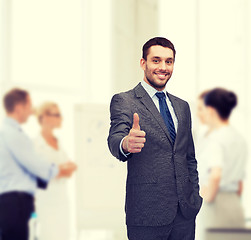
(133, 23)
(58, 51)
(178, 23)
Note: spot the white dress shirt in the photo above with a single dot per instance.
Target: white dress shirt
(151, 92)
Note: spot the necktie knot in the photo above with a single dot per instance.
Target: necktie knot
(160, 95)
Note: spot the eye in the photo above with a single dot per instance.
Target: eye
(155, 60)
(169, 62)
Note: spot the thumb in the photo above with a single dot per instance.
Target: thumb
(136, 121)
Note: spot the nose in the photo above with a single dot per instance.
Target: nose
(162, 65)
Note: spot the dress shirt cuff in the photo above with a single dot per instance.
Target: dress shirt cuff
(121, 149)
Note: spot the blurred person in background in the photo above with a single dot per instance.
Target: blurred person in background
(201, 141)
(201, 108)
(222, 156)
(22, 169)
(53, 205)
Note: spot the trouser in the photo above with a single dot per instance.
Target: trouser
(15, 211)
(180, 229)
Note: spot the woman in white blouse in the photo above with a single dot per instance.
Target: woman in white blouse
(52, 205)
(221, 162)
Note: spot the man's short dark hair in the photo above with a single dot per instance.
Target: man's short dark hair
(157, 41)
(14, 97)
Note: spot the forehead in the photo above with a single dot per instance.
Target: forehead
(53, 108)
(201, 102)
(159, 51)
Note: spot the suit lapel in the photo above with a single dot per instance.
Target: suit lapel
(145, 99)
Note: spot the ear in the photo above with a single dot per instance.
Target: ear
(143, 63)
(18, 108)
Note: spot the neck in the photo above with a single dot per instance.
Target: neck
(159, 89)
(218, 123)
(15, 117)
(47, 132)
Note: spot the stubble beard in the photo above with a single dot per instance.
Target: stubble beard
(150, 78)
(159, 86)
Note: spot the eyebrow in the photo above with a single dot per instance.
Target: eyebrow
(156, 57)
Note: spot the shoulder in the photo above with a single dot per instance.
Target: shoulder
(39, 142)
(12, 134)
(122, 99)
(124, 96)
(175, 98)
(234, 135)
(179, 104)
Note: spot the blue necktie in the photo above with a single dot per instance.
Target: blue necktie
(166, 114)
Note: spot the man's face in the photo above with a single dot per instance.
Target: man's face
(158, 67)
(25, 110)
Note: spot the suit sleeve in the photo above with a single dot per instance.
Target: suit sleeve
(121, 122)
(191, 160)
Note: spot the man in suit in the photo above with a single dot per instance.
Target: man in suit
(151, 131)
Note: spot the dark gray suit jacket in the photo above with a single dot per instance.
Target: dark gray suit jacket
(162, 176)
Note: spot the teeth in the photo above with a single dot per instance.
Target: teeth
(161, 75)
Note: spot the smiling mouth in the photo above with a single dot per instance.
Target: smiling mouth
(162, 75)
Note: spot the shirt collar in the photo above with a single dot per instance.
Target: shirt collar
(150, 90)
(13, 122)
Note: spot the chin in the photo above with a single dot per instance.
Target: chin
(161, 85)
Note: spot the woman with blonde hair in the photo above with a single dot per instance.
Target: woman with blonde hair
(53, 206)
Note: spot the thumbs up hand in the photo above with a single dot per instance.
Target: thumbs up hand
(134, 141)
